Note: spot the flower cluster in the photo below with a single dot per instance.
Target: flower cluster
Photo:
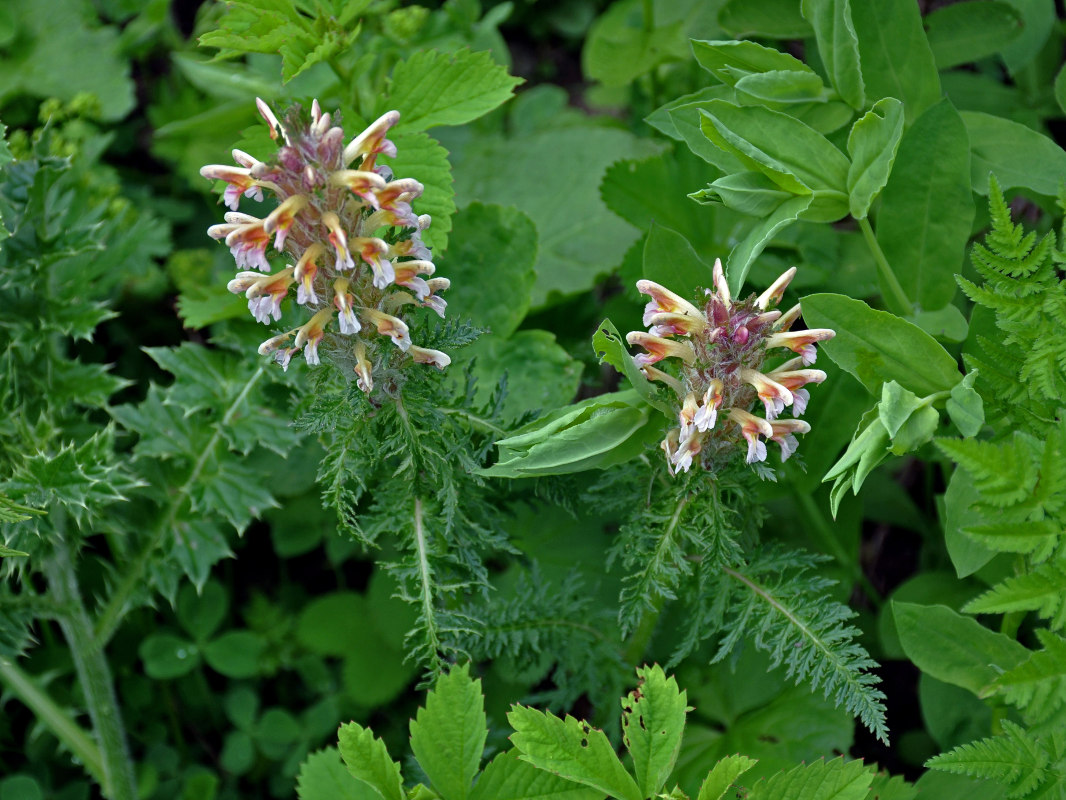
(348, 229)
(720, 351)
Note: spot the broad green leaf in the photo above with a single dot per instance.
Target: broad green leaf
(872, 145)
(670, 261)
(946, 324)
(965, 406)
(750, 193)
(368, 761)
(201, 612)
(571, 749)
(781, 87)
(1018, 156)
(838, 46)
(490, 265)
(609, 346)
(724, 776)
(681, 120)
(796, 157)
(167, 656)
(927, 207)
(619, 48)
(965, 32)
(895, 56)
(876, 346)
(954, 648)
(918, 429)
(432, 88)
(896, 406)
(420, 156)
(1038, 21)
(820, 780)
(729, 61)
(1060, 88)
(507, 777)
(335, 624)
(323, 777)
(759, 236)
(229, 80)
(448, 734)
(236, 654)
(653, 721)
(773, 19)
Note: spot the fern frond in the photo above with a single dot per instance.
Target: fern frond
(1005, 473)
(784, 609)
(1019, 760)
(1043, 590)
(1037, 686)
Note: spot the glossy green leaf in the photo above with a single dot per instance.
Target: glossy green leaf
(368, 761)
(723, 776)
(895, 55)
(431, 88)
(965, 406)
(780, 87)
(571, 749)
(669, 260)
(1017, 155)
(653, 721)
(729, 61)
(872, 145)
(448, 733)
(927, 207)
(167, 656)
(838, 46)
(773, 19)
(954, 648)
(961, 33)
(759, 236)
(876, 346)
(507, 777)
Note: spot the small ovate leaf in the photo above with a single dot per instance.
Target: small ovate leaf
(965, 406)
(448, 734)
(653, 721)
(571, 749)
(167, 656)
(724, 777)
(872, 145)
(432, 88)
(961, 33)
(896, 406)
(236, 654)
(368, 761)
(751, 193)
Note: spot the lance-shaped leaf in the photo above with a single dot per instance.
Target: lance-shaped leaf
(670, 260)
(748, 192)
(962, 33)
(653, 721)
(838, 45)
(448, 734)
(872, 145)
(759, 236)
(571, 749)
(1017, 155)
(729, 61)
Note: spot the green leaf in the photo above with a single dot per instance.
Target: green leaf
(681, 119)
(236, 654)
(1038, 685)
(420, 156)
(10, 511)
(496, 241)
(729, 61)
(876, 346)
(965, 406)
(618, 47)
(167, 656)
(838, 46)
(1017, 155)
(669, 260)
(200, 613)
(820, 780)
(368, 761)
(507, 777)
(432, 88)
(872, 145)
(895, 55)
(774, 19)
(867, 449)
(896, 406)
(780, 87)
(1042, 590)
(7, 552)
(946, 324)
(1038, 21)
(571, 749)
(653, 721)
(1060, 88)
(323, 777)
(965, 32)
(610, 347)
(954, 648)
(927, 207)
(448, 734)
(961, 513)
(751, 193)
(743, 255)
(724, 776)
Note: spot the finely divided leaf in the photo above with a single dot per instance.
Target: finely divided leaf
(653, 721)
(571, 749)
(368, 761)
(448, 735)
(432, 88)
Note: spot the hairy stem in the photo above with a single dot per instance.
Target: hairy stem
(117, 605)
(896, 299)
(94, 675)
(425, 582)
(48, 712)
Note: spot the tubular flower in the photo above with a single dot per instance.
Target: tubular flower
(718, 353)
(351, 242)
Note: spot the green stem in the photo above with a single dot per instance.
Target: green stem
(896, 299)
(117, 605)
(476, 421)
(48, 712)
(648, 15)
(822, 531)
(94, 675)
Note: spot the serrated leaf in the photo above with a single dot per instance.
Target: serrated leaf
(653, 721)
(507, 777)
(1037, 686)
(448, 734)
(1043, 590)
(10, 511)
(724, 776)
(420, 156)
(323, 777)
(572, 749)
(368, 761)
(820, 780)
(432, 88)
